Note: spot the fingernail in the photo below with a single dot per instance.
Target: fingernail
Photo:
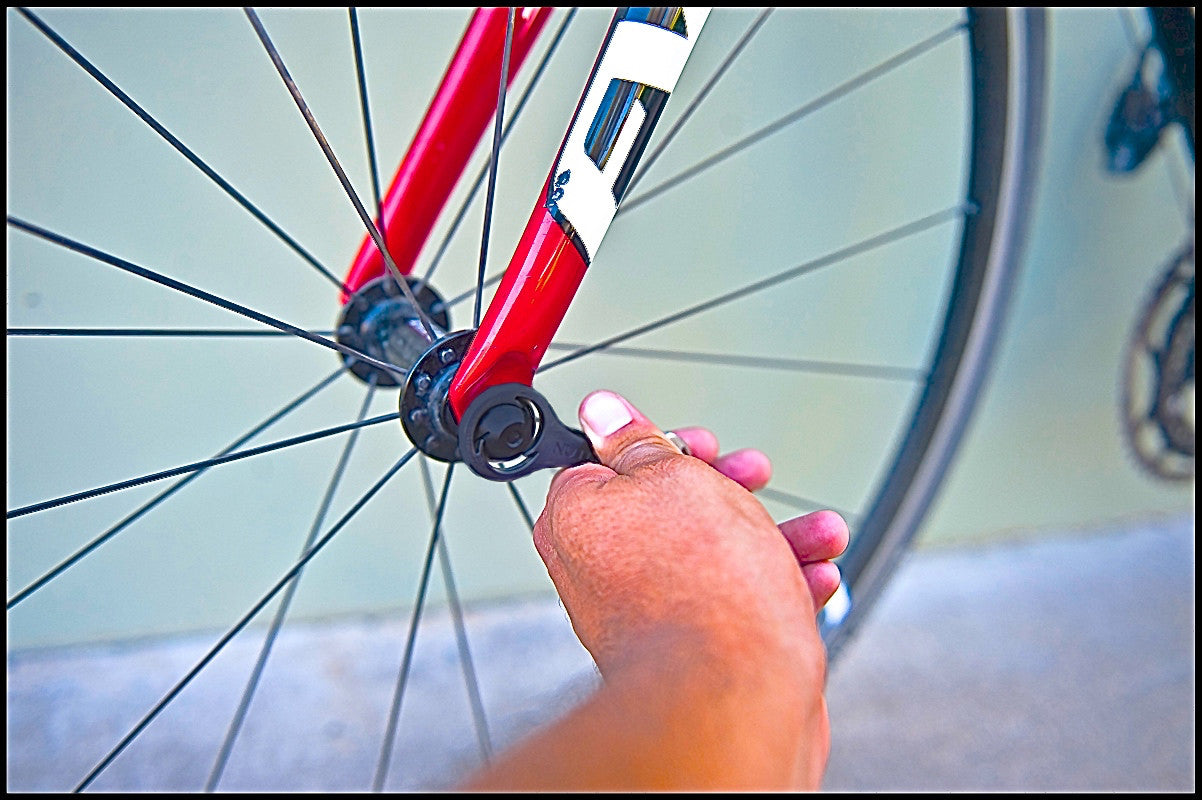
(603, 413)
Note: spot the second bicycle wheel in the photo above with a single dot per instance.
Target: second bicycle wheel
(816, 265)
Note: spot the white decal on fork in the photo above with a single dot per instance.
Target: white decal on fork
(645, 54)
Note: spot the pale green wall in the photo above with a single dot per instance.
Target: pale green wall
(1045, 449)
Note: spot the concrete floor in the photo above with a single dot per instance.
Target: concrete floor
(1058, 664)
(1063, 662)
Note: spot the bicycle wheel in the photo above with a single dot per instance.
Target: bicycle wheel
(848, 304)
(1157, 378)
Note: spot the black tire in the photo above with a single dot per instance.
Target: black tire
(1008, 62)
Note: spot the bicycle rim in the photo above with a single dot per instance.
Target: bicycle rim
(1002, 175)
(181, 399)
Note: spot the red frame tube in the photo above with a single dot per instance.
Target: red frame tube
(454, 123)
(539, 284)
(550, 260)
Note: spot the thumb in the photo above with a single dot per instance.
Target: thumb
(621, 436)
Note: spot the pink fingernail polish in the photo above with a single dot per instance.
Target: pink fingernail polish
(603, 413)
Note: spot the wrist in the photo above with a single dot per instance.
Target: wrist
(746, 709)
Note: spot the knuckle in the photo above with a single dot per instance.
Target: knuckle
(643, 452)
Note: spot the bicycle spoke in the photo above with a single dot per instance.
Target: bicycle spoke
(1130, 28)
(521, 504)
(795, 501)
(701, 95)
(805, 504)
(242, 623)
(880, 371)
(483, 173)
(150, 504)
(843, 89)
(281, 612)
(465, 654)
(211, 333)
(863, 246)
(368, 138)
(179, 146)
(200, 294)
(199, 465)
(407, 658)
(324, 144)
(459, 298)
(489, 197)
(1177, 169)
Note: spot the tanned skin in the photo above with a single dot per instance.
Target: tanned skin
(699, 612)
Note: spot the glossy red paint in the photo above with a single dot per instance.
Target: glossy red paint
(531, 301)
(457, 118)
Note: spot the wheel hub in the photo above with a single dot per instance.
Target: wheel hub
(380, 322)
(425, 412)
(508, 431)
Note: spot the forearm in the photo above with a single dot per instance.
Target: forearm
(679, 718)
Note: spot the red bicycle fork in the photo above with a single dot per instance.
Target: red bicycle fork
(454, 124)
(640, 62)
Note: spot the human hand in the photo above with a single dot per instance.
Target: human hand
(665, 561)
(638, 450)
(815, 538)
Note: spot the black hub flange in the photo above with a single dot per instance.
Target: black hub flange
(425, 413)
(507, 432)
(380, 322)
